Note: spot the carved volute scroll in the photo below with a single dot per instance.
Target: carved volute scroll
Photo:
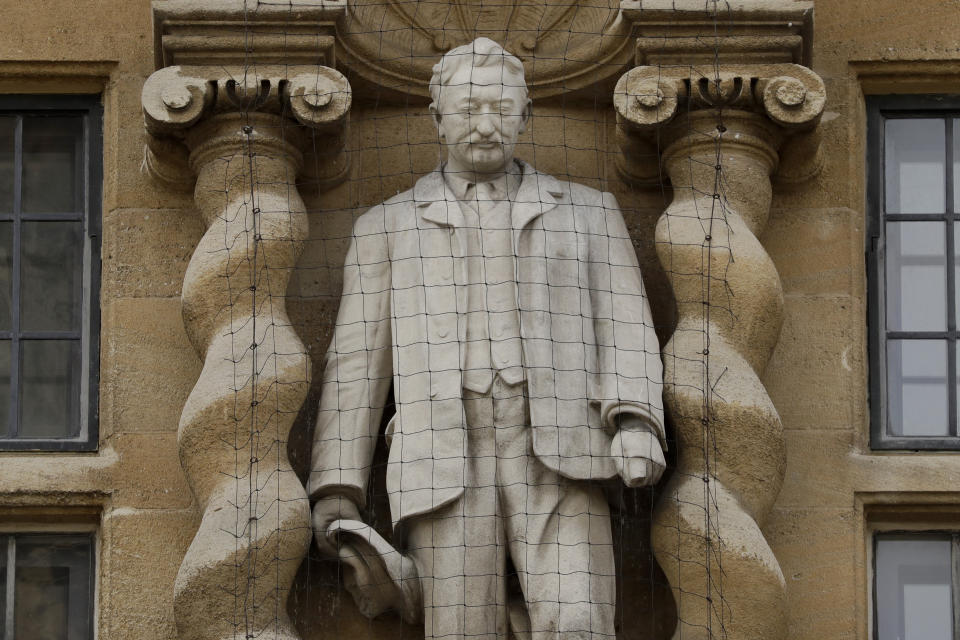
(239, 135)
(721, 131)
(176, 98)
(654, 105)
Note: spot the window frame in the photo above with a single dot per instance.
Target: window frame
(880, 109)
(904, 534)
(8, 546)
(90, 107)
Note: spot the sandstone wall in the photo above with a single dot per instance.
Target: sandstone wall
(836, 490)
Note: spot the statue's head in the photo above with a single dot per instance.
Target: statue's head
(480, 105)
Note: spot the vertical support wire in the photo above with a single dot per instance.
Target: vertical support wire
(717, 207)
(250, 592)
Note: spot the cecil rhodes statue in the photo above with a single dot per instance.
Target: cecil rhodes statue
(505, 309)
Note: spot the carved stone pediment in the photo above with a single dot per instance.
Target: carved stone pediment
(564, 45)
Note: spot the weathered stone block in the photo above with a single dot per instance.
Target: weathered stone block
(142, 550)
(822, 592)
(146, 251)
(817, 366)
(147, 365)
(147, 474)
(817, 251)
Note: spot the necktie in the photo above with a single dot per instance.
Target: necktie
(503, 319)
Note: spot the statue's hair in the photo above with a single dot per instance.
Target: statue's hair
(482, 52)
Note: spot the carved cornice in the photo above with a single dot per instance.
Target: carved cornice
(681, 32)
(176, 99)
(564, 45)
(239, 32)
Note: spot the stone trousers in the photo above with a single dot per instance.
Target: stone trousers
(556, 532)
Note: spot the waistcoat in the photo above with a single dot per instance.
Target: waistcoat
(493, 319)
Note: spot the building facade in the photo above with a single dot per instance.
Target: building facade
(178, 184)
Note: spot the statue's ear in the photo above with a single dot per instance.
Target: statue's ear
(527, 112)
(435, 113)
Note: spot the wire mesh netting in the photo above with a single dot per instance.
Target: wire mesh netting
(446, 331)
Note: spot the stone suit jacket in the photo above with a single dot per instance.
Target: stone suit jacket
(589, 347)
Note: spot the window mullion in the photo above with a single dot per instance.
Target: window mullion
(948, 126)
(10, 595)
(13, 428)
(876, 196)
(951, 283)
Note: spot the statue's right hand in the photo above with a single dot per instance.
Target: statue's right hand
(327, 510)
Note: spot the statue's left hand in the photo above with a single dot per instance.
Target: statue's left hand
(638, 456)
(327, 510)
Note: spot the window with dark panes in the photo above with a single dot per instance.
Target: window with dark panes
(47, 583)
(915, 586)
(50, 174)
(913, 248)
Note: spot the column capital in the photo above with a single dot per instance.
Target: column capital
(782, 102)
(790, 95)
(290, 99)
(701, 58)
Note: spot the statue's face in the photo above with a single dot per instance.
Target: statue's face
(479, 119)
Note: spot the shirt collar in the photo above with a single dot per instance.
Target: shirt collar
(463, 189)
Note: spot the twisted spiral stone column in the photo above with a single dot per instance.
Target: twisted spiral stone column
(246, 155)
(720, 132)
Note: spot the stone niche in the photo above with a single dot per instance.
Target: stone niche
(338, 93)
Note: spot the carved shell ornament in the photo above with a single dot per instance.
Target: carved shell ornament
(564, 45)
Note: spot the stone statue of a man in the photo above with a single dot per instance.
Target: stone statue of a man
(506, 310)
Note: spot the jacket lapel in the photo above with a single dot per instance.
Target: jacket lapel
(435, 202)
(537, 195)
(437, 206)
